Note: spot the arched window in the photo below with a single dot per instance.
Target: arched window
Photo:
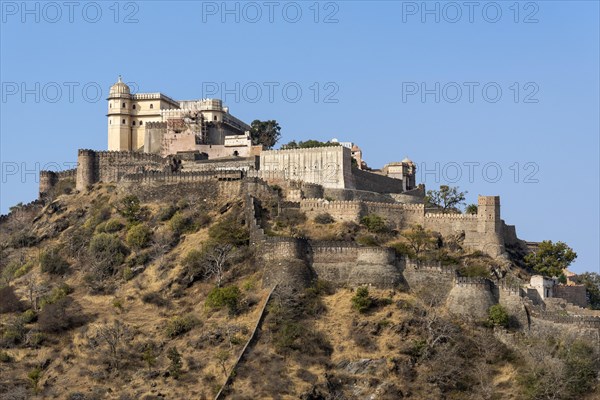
(109, 105)
(123, 122)
(133, 123)
(124, 105)
(215, 117)
(151, 106)
(109, 122)
(133, 107)
(141, 122)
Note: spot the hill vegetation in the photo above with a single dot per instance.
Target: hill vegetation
(106, 296)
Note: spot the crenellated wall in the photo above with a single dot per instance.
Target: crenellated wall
(50, 179)
(111, 166)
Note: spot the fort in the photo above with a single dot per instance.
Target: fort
(162, 147)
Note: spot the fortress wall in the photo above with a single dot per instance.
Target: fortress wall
(50, 179)
(364, 180)
(422, 275)
(340, 210)
(573, 294)
(471, 297)
(242, 164)
(397, 216)
(194, 190)
(110, 166)
(327, 166)
(346, 264)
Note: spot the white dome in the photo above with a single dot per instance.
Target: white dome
(407, 160)
(119, 88)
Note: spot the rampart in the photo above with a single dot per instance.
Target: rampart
(575, 294)
(111, 166)
(51, 179)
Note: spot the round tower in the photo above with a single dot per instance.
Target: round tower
(86, 169)
(48, 180)
(119, 117)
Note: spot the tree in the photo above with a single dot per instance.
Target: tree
(218, 259)
(471, 209)
(374, 223)
(419, 239)
(550, 258)
(266, 133)
(222, 357)
(447, 198)
(591, 280)
(497, 315)
(361, 301)
(176, 364)
(113, 335)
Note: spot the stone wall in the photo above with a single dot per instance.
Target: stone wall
(111, 166)
(575, 294)
(471, 297)
(345, 264)
(328, 166)
(365, 180)
(50, 179)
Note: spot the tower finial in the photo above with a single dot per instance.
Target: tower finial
(120, 78)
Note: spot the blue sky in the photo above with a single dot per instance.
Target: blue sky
(501, 99)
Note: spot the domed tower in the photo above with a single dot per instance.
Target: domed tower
(119, 117)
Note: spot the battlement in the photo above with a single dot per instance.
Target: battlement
(472, 281)
(177, 177)
(451, 216)
(488, 200)
(306, 150)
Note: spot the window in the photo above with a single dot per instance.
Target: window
(109, 105)
(109, 122)
(151, 106)
(124, 105)
(123, 122)
(215, 117)
(133, 107)
(133, 123)
(141, 122)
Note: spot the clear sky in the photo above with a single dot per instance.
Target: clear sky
(498, 98)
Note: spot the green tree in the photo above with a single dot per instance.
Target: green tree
(419, 240)
(374, 223)
(550, 258)
(498, 316)
(361, 301)
(139, 236)
(176, 363)
(130, 208)
(591, 280)
(447, 198)
(471, 209)
(266, 133)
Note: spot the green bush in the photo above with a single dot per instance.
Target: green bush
(113, 225)
(106, 252)
(361, 301)
(229, 230)
(130, 208)
(180, 223)
(498, 316)
(374, 223)
(5, 357)
(367, 240)
(228, 296)
(139, 236)
(324, 219)
(195, 265)
(29, 316)
(53, 263)
(179, 325)
(14, 331)
(166, 213)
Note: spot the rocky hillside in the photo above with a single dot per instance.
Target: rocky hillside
(107, 294)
